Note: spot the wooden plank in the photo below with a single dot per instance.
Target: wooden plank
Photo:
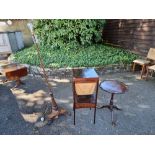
(121, 25)
(119, 37)
(127, 28)
(142, 46)
(129, 25)
(144, 41)
(135, 42)
(130, 33)
(130, 21)
(143, 37)
(141, 33)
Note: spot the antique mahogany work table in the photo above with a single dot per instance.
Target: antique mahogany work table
(113, 87)
(85, 89)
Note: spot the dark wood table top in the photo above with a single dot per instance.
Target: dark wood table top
(113, 86)
(11, 67)
(85, 73)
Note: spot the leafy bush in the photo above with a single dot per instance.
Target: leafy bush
(67, 33)
(92, 56)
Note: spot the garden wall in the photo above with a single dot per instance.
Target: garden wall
(137, 35)
(18, 25)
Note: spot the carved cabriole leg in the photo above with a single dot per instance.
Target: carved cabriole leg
(111, 107)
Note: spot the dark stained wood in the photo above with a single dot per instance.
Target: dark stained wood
(113, 87)
(85, 76)
(14, 72)
(134, 34)
(85, 73)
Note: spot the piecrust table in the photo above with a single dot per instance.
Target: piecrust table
(113, 87)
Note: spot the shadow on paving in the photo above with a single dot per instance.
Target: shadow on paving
(21, 108)
(11, 121)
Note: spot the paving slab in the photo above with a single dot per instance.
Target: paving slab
(22, 107)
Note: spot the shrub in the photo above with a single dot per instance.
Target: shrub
(67, 33)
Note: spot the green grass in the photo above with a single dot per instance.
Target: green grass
(92, 56)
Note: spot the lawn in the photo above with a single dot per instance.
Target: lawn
(93, 56)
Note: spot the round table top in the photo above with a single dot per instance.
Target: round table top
(113, 86)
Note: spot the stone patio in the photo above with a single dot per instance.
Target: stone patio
(22, 107)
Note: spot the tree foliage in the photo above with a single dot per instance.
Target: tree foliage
(67, 33)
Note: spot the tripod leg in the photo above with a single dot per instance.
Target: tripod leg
(104, 106)
(115, 107)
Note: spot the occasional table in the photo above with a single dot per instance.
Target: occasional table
(14, 72)
(113, 87)
(85, 89)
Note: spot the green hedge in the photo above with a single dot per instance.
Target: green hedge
(69, 33)
(92, 56)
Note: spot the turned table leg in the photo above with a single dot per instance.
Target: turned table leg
(19, 82)
(111, 107)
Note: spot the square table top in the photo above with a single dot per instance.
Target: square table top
(10, 68)
(85, 73)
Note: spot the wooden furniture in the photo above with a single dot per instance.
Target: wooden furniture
(85, 89)
(113, 87)
(14, 72)
(144, 63)
(150, 69)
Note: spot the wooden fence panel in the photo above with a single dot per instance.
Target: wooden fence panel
(137, 35)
